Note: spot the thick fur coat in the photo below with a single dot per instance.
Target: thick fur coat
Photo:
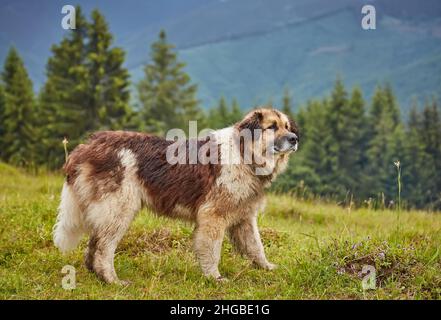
(115, 174)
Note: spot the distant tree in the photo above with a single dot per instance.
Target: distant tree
(391, 103)
(385, 144)
(334, 113)
(236, 112)
(413, 160)
(2, 118)
(353, 147)
(430, 135)
(223, 115)
(63, 106)
(345, 127)
(108, 80)
(219, 115)
(287, 103)
(313, 148)
(167, 98)
(18, 114)
(344, 149)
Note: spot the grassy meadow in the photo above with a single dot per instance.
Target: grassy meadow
(320, 249)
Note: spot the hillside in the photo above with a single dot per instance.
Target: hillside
(253, 49)
(320, 249)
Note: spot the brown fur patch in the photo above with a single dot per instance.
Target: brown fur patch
(167, 185)
(100, 162)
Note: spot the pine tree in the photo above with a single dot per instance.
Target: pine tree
(168, 99)
(345, 119)
(353, 147)
(385, 144)
(431, 140)
(63, 98)
(333, 143)
(313, 148)
(86, 88)
(287, 103)
(334, 120)
(391, 103)
(18, 116)
(108, 80)
(223, 112)
(223, 115)
(219, 116)
(2, 119)
(413, 160)
(236, 113)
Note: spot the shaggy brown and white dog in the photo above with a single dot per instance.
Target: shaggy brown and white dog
(115, 174)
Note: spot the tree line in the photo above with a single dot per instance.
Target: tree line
(352, 150)
(348, 146)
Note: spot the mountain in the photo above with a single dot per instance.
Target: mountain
(253, 49)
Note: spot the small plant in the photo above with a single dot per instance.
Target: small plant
(65, 142)
(398, 166)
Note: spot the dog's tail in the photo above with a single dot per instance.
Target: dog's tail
(68, 228)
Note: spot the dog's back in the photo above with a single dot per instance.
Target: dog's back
(115, 173)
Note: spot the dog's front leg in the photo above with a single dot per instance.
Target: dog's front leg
(246, 239)
(207, 244)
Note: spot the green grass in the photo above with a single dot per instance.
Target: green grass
(320, 249)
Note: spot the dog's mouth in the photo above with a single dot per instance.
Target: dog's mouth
(291, 148)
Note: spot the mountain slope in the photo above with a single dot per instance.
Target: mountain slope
(308, 56)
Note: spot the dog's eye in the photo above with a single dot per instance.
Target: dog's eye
(286, 126)
(273, 127)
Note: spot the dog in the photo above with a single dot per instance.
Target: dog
(117, 173)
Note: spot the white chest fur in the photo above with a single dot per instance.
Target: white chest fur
(236, 178)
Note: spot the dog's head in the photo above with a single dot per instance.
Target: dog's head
(277, 134)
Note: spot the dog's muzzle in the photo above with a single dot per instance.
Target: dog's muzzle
(287, 143)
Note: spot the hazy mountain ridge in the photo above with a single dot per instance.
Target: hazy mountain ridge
(309, 66)
(252, 49)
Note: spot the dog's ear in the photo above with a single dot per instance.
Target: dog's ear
(252, 122)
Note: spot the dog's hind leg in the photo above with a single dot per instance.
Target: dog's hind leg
(90, 253)
(103, 242)
(207, 244)
(245, 238)
(103, 259)
(108, 221)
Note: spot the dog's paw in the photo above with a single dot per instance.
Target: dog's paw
(270, 266)
(221, 279)
(123, 283)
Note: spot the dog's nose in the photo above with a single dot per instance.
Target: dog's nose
(292, 138)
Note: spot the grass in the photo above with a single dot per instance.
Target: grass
(320, 249)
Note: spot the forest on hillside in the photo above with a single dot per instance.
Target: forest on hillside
(351, 149)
